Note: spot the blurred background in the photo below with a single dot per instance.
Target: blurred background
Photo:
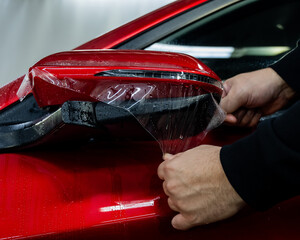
(33, 29)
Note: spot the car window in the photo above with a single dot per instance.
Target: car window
(243, 37)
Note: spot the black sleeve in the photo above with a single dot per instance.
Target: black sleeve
(264, 168)
(288, 68)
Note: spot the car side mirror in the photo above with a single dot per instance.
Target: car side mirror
(172, 95)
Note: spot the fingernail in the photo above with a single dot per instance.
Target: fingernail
(167, 156)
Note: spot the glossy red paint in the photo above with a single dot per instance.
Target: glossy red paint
(9, 92)
(123, 33)
(72, 75)
(59, 191)
(110, 190)
(131, 59)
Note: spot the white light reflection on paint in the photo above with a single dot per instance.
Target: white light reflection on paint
(130, 205)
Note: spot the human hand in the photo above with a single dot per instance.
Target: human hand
(249, 96)
(197, 187)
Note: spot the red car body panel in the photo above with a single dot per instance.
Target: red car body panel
(123, 33)
(110, 190)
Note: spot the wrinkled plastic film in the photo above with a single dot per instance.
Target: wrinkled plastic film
(178, 115)
(25, 88)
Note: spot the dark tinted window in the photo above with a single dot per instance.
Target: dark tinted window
(243, 37)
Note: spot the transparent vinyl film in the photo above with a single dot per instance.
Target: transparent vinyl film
(178, 114)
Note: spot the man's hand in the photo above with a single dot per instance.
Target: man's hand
(249, 96)
(197, 187)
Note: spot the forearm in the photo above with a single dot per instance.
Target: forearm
(264, 167)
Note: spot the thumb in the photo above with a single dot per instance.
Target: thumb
(180, 222)
(168, 156)
(226, 88)
(232, 101)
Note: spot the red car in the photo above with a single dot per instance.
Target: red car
(77, 156)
